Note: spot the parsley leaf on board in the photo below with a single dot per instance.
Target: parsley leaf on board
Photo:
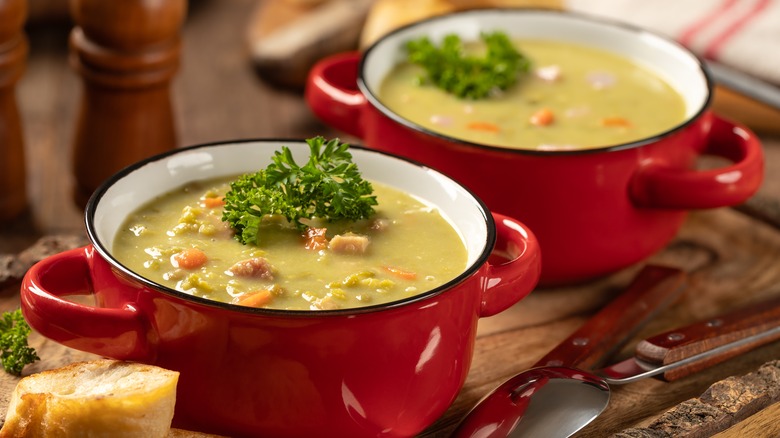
(14, 351)
(467, 76)
(329, 186)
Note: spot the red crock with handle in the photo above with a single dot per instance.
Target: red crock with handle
(385, 370)
(594, 211)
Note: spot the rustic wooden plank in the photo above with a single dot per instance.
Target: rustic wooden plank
(724, 404)
(762, 424)
(731, 258)
(724, 253)
(285, 39)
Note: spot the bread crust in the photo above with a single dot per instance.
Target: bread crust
(99, 398)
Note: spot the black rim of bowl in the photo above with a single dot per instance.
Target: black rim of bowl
(94, 200)
(377, 103)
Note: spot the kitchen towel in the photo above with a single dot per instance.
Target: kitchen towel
(741, 34)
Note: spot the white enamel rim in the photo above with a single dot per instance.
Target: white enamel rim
(681, 68)
(140, 183)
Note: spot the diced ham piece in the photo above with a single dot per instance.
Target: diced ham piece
(349, 243)
(601, 79)
(379, 224)
(315, 238)
(577, 111)
(549, 73)
(257, 267)
(557, 147)
(324, 303)
(220, 227)
(441, 120)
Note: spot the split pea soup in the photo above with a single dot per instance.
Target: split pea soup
(179, 240)
(573, 97)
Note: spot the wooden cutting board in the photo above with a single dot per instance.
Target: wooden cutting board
(731, 260)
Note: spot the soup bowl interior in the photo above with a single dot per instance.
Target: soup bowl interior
(680, 68)
(139, 184)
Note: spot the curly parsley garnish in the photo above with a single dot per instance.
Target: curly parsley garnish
(465, 76)
(329, 186)
(14, 351)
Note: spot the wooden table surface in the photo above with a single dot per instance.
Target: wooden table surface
(731, 257)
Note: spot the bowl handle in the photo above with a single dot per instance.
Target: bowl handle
(514, 270)
(120, 333)
(657, 186)
(332, 93)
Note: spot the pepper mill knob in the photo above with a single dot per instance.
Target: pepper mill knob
(126, 52)
(13, 56)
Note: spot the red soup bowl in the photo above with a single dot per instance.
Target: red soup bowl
(385, 370)
(594, 211)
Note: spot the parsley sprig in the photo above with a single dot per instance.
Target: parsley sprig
(466, 76)
(14, 351)
(329, 186)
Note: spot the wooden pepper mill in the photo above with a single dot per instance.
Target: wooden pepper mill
(13, 56)
(126, 52)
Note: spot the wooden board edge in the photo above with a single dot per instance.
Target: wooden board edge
(726, 407)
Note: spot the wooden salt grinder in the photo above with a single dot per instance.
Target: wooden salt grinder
(126, 52)
(13, 56)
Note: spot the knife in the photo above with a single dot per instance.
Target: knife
(654, 288)
(677, 353)
(745, 84)
(651, 291)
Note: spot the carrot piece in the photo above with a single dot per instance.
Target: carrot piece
(190, 258)
(315, 238)
(401, 273)
(213, 202)
(484, 126)
(615, 121)
(258, 298)
(543, 117)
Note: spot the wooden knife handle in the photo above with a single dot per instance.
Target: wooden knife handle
(676, 345)
(653, 289)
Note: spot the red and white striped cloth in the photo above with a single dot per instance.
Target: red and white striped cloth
(741, 34)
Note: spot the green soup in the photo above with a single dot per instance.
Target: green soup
(574, 97)
(180, 241)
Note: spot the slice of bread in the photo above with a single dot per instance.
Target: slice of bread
(100, 398)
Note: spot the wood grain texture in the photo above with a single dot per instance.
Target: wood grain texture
(285, 39)
(723, 405)
(13, 57)
(760, 117)
(759, 320)
(720, 252)
(653, 289)
(762, 424)
(127, 54)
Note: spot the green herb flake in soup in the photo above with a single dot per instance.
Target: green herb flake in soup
(405, 247)
(574, 97)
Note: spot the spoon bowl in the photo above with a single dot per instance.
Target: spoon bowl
(544, 401)
(554, 402)
(556, 398)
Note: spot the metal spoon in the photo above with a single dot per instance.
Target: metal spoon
(558, 401)
(540, 402)
(499, 414)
